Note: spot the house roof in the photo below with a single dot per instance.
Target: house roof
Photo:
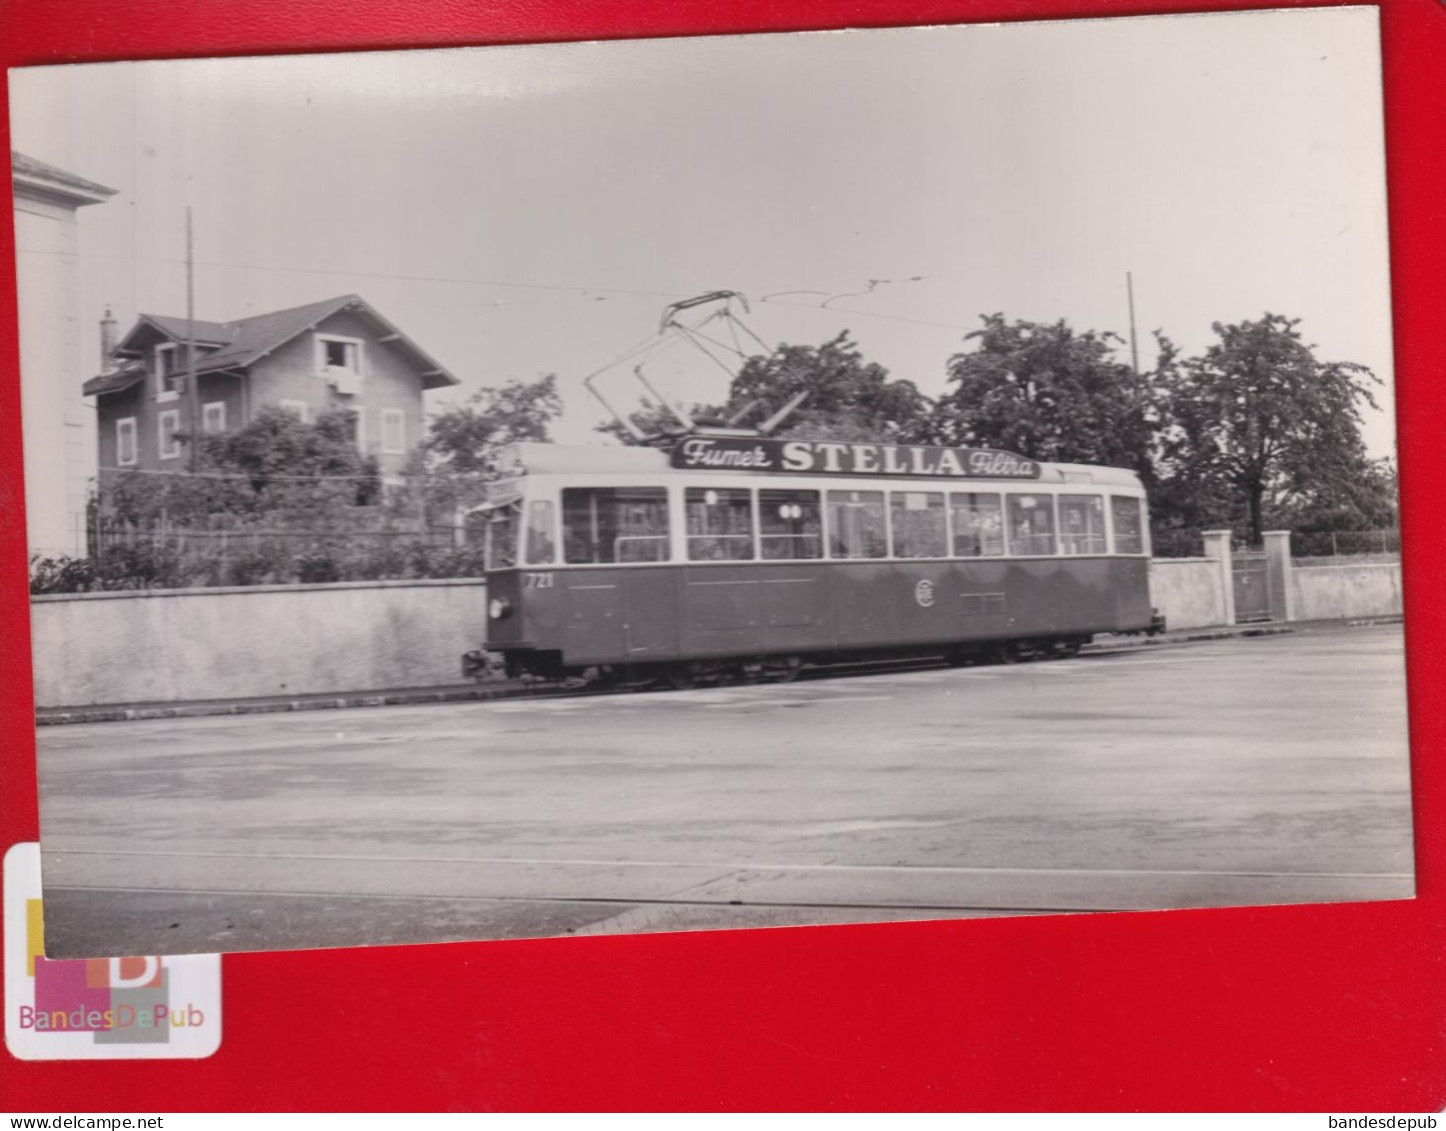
(51, 180)
(240, 344)
(116, 381)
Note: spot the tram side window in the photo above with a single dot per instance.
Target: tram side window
(917, 518)
(1129, 524)
(540, 536)
(1082, 524)
(720, 524)
(856, 525)
(790, 524)
(603, 525)
(1031, 524)
(978, 525)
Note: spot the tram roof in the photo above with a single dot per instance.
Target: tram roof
(533, 458)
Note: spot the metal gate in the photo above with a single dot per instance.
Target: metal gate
(1251, 573)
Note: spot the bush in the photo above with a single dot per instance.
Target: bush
(61, 574)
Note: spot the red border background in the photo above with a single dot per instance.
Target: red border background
(1313, 1008)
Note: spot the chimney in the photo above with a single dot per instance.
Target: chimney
(107, 342)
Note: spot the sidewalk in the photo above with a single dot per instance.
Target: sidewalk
(511, 689)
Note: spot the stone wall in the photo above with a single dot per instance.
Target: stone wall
(188, 644)
(1367, 589)
(1188, 591)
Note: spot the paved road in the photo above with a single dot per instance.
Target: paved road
(1268, 770)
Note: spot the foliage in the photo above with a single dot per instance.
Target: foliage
(848, 398)
(1364, 499)
(465, 439)
(278, 501)
(182, 559)
(277, 464)
(463, 442)
(655, 420)
(1257, 424)
(1049, 393)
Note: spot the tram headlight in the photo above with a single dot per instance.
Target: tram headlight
(499, 608)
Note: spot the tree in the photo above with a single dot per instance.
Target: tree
(276, 463)
(1047, 392)
(848, 398)
(464, 440)
(1259, 419)
(456, 459)
(655, 419)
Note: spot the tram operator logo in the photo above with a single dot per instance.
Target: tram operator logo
(924, 593)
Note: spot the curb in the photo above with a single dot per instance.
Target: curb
(60, 716)
(1130, 642)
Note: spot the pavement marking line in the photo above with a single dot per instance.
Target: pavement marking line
(905, 869)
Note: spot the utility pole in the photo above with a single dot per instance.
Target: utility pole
(1134, 346)
(193, 394)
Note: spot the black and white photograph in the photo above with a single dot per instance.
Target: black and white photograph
(756, 481)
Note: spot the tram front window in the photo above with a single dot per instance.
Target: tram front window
(1129, 526)
(614, 525)
(539, 532)
(720, 524)
(857, 527)
(502, 524)
(791, 524)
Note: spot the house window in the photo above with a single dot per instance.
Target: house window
(125, 442)
(339, 361)
(168, 371)
(168, 424)
(300, 409)
(338, 354)
(394, 435)
(213, 417)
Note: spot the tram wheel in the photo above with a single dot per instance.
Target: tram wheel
(1068, 649)
(1009, 652)
(681, 678)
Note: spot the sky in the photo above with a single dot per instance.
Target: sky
(523, 210)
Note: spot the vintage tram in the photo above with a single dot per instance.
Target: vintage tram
(732, 554)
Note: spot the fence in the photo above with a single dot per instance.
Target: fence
(1378, 545)
(126, 556)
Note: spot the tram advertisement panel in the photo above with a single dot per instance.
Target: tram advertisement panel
(823, 457)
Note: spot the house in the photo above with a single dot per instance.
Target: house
(52, 413)
(340, 353)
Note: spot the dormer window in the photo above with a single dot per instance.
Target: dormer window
(339, 361)
(169, 371)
